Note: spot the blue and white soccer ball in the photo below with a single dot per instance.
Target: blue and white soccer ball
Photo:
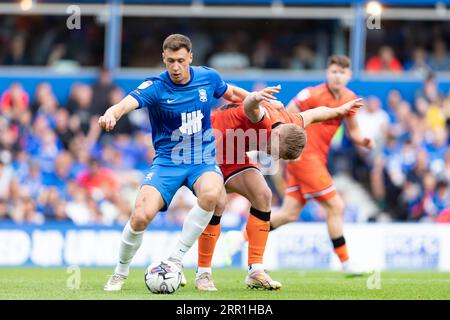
(162, 277)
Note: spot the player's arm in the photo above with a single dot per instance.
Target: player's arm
(292, 107)
(355, 134)
(252, 102)
(114, 113)
(235, 94)
(324, 113)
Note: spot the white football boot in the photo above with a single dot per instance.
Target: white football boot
(352, 269)
(180, 266)
(115, 282)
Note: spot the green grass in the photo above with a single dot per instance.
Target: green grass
(50, 283)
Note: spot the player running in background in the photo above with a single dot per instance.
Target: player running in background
(285, 136)
(179, 103)
(308, 178)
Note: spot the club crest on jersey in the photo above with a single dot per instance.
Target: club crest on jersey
(202, 95)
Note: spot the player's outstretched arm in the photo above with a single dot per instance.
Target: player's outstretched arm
(113, 114)
(235, 94)
(251, 103)
(324, 113)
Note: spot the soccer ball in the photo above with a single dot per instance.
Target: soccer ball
(162, 277)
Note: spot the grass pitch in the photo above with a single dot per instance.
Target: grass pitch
(51, 283)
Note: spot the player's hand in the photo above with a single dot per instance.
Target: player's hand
(107, 122)
(266, 94)
(352, 106)
(368, 143)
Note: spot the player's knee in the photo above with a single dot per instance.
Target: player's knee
(208, 200)
(337, 208)
(220, 206)
(262, 199)
(290, 212)
(138, 221)
(140, 218)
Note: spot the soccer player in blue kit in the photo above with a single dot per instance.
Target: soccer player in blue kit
(179, 103)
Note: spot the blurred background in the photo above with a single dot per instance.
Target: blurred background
(62, 64)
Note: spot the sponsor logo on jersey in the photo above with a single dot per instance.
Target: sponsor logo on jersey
(303, 95)
(145, 84)
(149, 176)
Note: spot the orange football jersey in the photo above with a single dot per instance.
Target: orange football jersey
(232, 116)
(320, 134)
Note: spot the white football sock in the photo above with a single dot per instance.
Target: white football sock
(201, 270)
(255, 267)
(131, 241)
(195, 222)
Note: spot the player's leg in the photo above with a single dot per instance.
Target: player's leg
(148, 203)
(291, 207)
(206, 245)
(334, 206)
(158, 188)
(207, 184)
(252, 185)
(210, 235)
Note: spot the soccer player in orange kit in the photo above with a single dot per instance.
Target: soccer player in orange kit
(284, 137)
(308, 177)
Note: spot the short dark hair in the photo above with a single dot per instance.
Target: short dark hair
(175, 42)
(340, 60)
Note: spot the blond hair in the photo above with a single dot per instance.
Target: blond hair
(292, 141)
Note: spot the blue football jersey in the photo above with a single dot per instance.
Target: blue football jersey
(180, 114)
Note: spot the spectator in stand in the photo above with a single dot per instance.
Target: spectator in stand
(60, 175)
(429, 93)
(17, 53)
(304, 58)
(439, 59)
(8, 182)
(418, 64)
(103, 88)
(437, 149)
(55, 194)
(4, 210)
(14, 101)
(62, 128)
(48, 150)
(384, 62)
(103, 187)
(445, 173)
(44, 100)
(373, 121)
(393, 101)
(229, 57)
(82, 112)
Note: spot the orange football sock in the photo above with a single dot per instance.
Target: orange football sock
(206, 244)
(340, 248)
(342, 253)
(258, 227)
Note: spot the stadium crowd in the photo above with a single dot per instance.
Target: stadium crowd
(410, 169)
(57, 165)
(282, 44)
